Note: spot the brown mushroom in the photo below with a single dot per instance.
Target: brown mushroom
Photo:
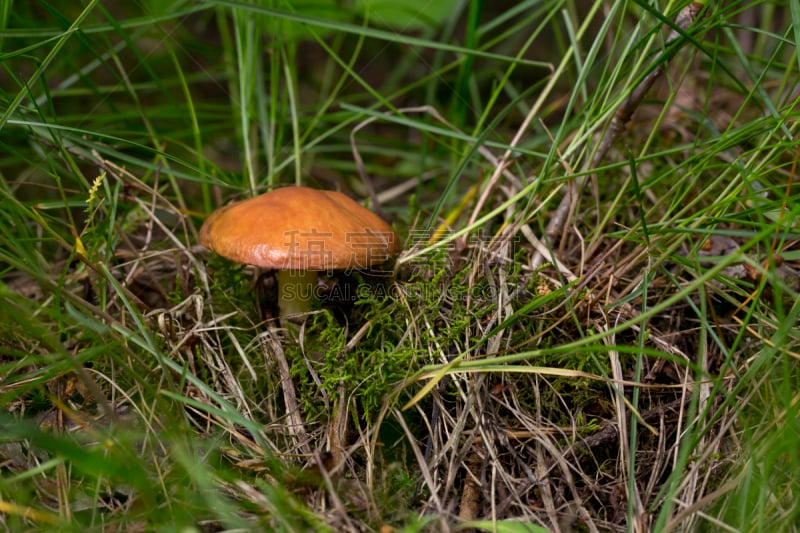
(299, 231)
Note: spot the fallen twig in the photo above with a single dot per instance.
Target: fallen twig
(558, 222)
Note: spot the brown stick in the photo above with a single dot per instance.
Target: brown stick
(684, 20)
(296, 426)
(471, 496)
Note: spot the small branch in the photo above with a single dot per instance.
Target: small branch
(683, 21)
(296, 426)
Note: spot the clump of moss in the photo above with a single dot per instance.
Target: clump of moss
(327, 366)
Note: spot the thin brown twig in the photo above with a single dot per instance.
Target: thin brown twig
(296, 425)
(558, 222)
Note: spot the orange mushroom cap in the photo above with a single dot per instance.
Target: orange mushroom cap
(298, 228)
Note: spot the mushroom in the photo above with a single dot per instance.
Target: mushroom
(299, 231)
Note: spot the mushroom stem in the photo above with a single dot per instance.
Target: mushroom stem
(295, 291)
